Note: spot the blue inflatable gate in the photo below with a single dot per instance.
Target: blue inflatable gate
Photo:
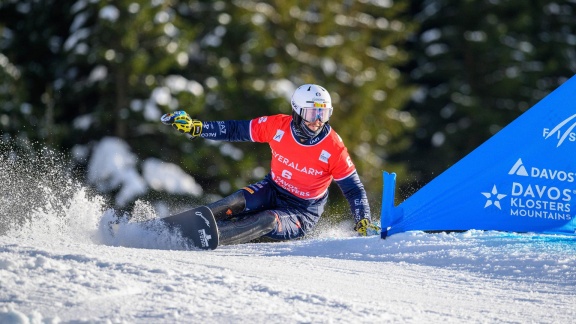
(523, 179)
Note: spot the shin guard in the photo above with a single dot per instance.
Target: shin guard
(247, 228)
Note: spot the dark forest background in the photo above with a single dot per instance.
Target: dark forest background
(416, 85)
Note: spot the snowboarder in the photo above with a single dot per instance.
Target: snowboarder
(306, 155)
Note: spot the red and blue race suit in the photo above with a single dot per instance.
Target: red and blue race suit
(296, 189)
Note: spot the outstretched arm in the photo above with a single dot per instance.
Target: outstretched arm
(230, 130)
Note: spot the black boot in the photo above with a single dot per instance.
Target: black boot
(227, 207)
(247, 228)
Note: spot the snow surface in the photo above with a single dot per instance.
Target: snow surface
(75, 272)
(67, 268)
(63, 266)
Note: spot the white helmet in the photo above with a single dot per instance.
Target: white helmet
(311, 102)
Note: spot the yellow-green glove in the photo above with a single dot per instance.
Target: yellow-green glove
(364, 227)
(182, 122)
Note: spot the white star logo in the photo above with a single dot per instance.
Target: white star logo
(493, 198)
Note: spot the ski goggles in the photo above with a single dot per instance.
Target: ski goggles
(312, 114)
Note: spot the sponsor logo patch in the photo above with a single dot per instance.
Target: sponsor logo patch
(324, 156)
(561, 133)
(204, 238)
(535, 192)
(279, 135)
(204, 218)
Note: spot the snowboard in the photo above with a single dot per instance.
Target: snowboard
(197, 225)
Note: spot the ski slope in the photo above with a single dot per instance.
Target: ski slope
(58, 264)
(68, 269)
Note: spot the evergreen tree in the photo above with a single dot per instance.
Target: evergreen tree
(479, 65)
(32, 65)
(91, 69)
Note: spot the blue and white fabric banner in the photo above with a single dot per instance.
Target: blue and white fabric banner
(523, 179)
